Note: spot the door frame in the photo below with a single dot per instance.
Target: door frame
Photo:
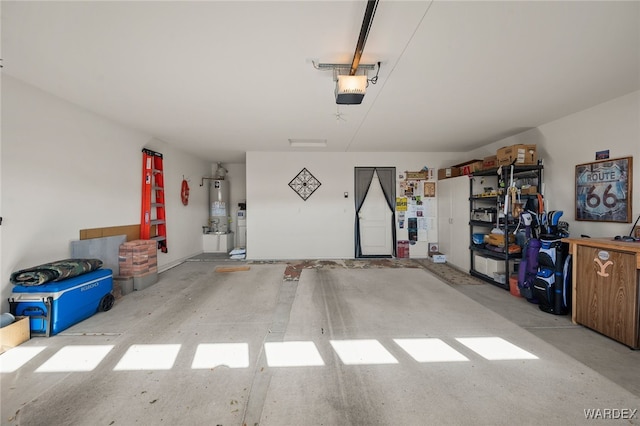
(362, 182)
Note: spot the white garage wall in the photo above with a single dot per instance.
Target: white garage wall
(280, 225)
(65, 169)
(572, 140)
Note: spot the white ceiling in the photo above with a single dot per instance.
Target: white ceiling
(222, 78)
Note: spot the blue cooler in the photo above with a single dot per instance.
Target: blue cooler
(58, 305)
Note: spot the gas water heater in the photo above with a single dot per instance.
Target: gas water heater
(219, 206)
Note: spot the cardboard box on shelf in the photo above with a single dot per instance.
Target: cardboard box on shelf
(531, 189)
(474, 166)
(448, 172)
(469, 166)
(520, 154)
(465, 168)
(14, 334)
(498, 239)
(490, 162)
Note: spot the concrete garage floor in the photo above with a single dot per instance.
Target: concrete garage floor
(333, 343)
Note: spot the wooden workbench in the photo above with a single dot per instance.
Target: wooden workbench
(606, 281)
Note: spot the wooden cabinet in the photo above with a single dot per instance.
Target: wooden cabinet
(453, 220)
(606, 280)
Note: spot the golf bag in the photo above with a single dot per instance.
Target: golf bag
(552, 284)
(528, 269)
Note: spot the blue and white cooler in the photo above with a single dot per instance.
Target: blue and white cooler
(57, 305)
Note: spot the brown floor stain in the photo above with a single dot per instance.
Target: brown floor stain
(294, 268)
(232, 268)
(448, 274)
(291, 273)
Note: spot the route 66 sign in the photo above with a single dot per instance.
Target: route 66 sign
(603, 190)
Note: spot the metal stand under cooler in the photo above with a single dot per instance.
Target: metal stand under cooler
(56, 306)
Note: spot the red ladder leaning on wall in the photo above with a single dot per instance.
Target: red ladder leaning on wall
(153, 209)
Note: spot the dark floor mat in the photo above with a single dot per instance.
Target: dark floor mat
(450, 274)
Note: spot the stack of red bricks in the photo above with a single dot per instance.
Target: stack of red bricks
(138, 258)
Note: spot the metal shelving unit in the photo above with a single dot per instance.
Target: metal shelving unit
(487, 213)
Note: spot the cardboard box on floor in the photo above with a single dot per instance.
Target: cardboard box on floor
(14, 334)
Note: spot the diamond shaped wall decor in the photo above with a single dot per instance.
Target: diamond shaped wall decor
(304, 184)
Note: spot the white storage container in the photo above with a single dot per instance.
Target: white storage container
(489, 266)
(480, 263)
(494, 266)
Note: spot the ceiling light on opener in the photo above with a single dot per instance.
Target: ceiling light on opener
(350, 89)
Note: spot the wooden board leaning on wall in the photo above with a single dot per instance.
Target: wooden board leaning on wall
(131, 231)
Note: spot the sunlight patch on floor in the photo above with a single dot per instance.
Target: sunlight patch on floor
(15, 358)
(81, 358)
(430, 350)
(292, 354)
(495, 348)
(365, 351)
(75, 358)
(148, 357)
(211, 355)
